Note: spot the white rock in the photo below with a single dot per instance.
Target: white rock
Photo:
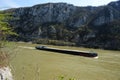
(5, 73)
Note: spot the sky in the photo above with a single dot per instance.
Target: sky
(5, 4)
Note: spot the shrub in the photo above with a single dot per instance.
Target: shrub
(53, 42)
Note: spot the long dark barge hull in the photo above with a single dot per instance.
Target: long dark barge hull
(72, 52)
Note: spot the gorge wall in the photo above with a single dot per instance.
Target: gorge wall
(86, 26)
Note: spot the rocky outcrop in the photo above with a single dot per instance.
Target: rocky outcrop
(44, 13)
(5, 73)
(115, 5)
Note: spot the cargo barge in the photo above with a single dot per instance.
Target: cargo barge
(66, 51)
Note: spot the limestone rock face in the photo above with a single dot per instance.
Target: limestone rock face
(5, 73)
(106, 15)
(30, 18)
(115, 5)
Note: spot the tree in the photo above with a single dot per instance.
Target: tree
(5, 31)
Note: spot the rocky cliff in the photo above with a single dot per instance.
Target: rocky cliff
(55, 20)
(68, 14)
